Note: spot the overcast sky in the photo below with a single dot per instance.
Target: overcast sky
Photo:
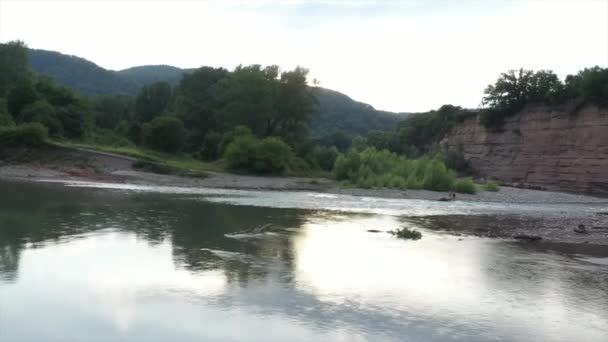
(394, 55)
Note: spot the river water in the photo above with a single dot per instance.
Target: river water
(100, 262)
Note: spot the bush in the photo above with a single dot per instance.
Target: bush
(165, 133)
(240, 152)
(29, 134)
(465, 186)
(325, 157)
(268, 156)
(491, 186)
(437, 177)
(210, 150)
(455, 160)
(42, 112)
(377, 169)
(229, 137)
(405, 233)
(5, 118)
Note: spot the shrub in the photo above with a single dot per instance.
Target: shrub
(272, 155)
(42, 112)
(5, 118)
(347, 165)
(491, 186)
(229, 137)
(465, 186)
(325, 157)
(29, 134)
(165, 133)
(268, 156)
(239, 153)
(372, 168)
(437, 177)
(405, 233)
(210, 150)
(455, 160)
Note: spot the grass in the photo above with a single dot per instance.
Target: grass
(154, 161)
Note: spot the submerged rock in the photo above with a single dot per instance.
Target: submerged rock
(529, 238)
(374, 231)
(580, 229)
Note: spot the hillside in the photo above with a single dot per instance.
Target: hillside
(81, 74)
(153, 73)
(337, 112)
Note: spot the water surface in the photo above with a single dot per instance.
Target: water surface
(160, 264)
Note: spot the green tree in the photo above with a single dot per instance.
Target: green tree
(196, 103)
(13, 65)
(20, 95)
(210, 150)
(152, 101)
(165, 133)
(5, 118)
(109, 111)
(42, 112)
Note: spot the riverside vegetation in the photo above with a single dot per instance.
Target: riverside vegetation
(256, 119)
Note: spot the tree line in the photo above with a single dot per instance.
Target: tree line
(257, 120)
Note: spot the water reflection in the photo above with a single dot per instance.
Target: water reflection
(124, 266)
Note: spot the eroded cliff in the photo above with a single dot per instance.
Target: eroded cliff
(552, 148)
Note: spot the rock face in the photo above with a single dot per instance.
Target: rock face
(552, 148)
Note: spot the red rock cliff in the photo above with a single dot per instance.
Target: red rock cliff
(540, 146)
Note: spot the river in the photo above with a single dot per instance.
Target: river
(102, 262)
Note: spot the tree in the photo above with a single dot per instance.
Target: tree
(5, 118)
(165, 133)
(296, 106)
(13, 65)
(110, 111)
(152, 101)
(196, 104)
(590, 84)
(42, 112)
(248, 97)
(20, 95)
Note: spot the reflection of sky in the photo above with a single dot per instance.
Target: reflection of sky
(362, 204)
(345, 284)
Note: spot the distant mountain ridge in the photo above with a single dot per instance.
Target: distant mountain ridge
(337, 112)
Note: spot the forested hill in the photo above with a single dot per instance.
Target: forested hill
(337, 112)
(147, 74)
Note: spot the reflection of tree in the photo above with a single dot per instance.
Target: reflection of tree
(41, 213)
(203, 225)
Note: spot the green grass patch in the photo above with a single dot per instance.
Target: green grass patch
(155, 161)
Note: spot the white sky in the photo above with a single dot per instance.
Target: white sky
(394, 55)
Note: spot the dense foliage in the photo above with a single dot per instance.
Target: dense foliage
(372, 168)
(515, 89)
(266, 156)
(336, 111)
(29, 134)
(260, 119)
(165, 133)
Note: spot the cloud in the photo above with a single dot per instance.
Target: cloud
(395, 55)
